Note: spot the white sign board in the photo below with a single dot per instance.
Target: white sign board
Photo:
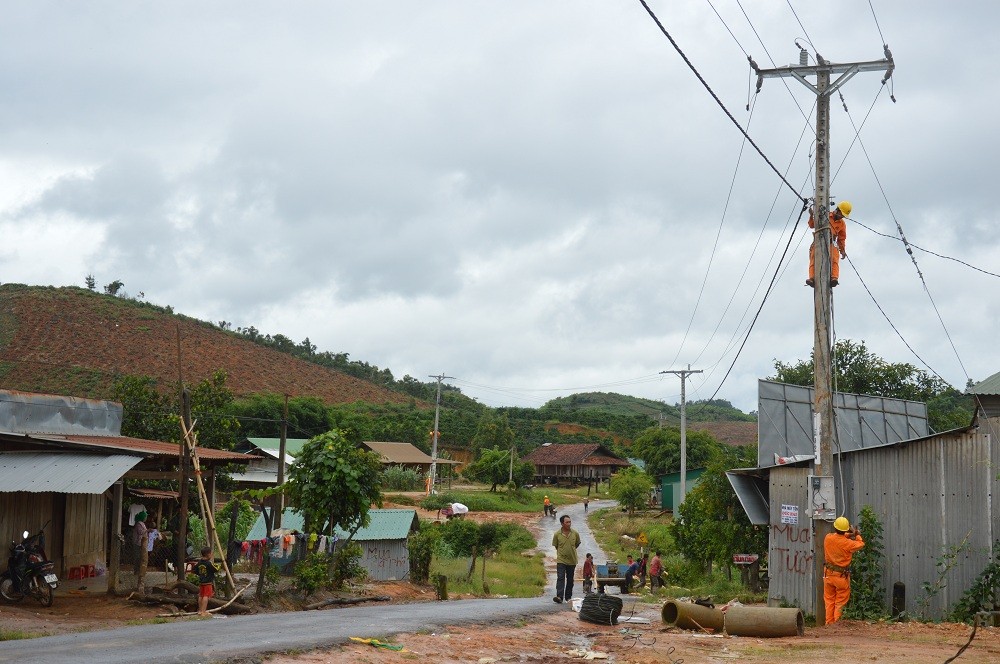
(744, 558)
(790, 514)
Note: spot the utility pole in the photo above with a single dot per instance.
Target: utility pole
(434, 444)
(821, 482)
(279, 500)
(683, 373)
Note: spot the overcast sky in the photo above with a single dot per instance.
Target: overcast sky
(537, 198)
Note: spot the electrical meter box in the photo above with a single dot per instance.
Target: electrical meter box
(822, 502)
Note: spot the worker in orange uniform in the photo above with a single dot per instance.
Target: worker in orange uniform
(838, 550)
(838, 243)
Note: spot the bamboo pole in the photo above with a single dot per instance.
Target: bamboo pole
(192, 442)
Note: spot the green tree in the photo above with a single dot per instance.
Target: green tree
(147, 413)
(493, 432)
(661, 449)
(631, 487)
(859, 371)
(113, 288)
(713, 525)
(493, 468)
(91, 282)
(334, 483)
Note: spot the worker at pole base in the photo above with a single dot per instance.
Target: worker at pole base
(838, 243)
(838, 550)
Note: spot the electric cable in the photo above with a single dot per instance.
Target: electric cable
(716, 98)
(762, 303)
(799, 21)
(715, 246)
(926, 251)
(727, 28)
(877, 26)
(888, 320)
(773, 64)
(906, 244)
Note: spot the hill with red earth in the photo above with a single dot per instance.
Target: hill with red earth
(73, 341)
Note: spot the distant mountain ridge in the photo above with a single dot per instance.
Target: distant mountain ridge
(624, 405)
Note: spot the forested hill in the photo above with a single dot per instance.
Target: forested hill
(718, 410)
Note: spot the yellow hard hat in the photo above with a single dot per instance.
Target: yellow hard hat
(845, 208)
(842, 524)
(546, 496)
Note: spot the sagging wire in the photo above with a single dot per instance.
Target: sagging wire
(906, 245)
(886, 316)
(926, 251)
(718, 101)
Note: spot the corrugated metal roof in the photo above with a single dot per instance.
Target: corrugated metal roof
(271, 446)
(385, 524)
(990, 386)
(62, 472)
(397, 452)
(27, 412)
(156, 448)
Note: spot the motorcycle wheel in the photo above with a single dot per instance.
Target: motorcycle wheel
(7, 589)
(41, 590)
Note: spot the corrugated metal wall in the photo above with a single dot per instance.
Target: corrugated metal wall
(386, 560)
(934, 497)
(790, 554)
(83, 543)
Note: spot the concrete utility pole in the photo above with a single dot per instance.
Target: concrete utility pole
(279, 500)
(683, 373)
(434, 444)
(821, 482)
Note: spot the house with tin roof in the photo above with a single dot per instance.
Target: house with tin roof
(383, 542)
(64, 465)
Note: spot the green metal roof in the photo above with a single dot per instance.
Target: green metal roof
(389, 524)
(989, 386)
(292, 445)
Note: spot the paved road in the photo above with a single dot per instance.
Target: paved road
(228, 637)
(587, 541)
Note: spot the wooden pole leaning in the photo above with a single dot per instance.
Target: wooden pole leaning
(213, 535)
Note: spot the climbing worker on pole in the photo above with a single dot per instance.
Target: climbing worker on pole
(838, 550)
(838, 243)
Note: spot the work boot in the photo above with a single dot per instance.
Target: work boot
(557, 600)
(810, 283)
(834, 282)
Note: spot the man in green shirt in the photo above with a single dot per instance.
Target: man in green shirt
(566, 541)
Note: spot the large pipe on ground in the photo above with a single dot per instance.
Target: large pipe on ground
(764, 621)
(688, 615)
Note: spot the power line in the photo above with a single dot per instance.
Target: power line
(906, 243)
(877, 26)
(716, 98)
(762, 302)
(886, 316)
(799, 21)
(926, 251)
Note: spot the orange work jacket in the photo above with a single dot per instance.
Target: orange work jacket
(839, 549)
(838, 232)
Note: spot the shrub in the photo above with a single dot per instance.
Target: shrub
(312, 573)
(397, 478)
(421, 547)
(347, 566)
(867, 592)
(460, 536)
(437, 501)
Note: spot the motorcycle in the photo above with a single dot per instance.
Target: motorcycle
(29, 571)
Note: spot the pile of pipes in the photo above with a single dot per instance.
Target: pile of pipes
(735, 620)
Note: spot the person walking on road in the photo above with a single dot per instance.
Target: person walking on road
(588, 573)
(566, 541)
(586, 504)
(838, 550)
(655, 572)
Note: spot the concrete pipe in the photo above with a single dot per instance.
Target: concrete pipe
(688, 615)
(764, 621)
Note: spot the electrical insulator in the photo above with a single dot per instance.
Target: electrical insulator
(803, 57)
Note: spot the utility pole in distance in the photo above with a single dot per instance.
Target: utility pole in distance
(434, 434)
(683, 373)
(821, 482)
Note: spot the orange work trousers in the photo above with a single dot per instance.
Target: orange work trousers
(836, 593)
(834, 262)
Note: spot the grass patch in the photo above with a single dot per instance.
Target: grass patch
(507, 573)
(18, 635)
(148, 621)
(522, 500)
(399, 499)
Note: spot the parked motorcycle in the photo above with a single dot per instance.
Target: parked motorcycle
(29, 571)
